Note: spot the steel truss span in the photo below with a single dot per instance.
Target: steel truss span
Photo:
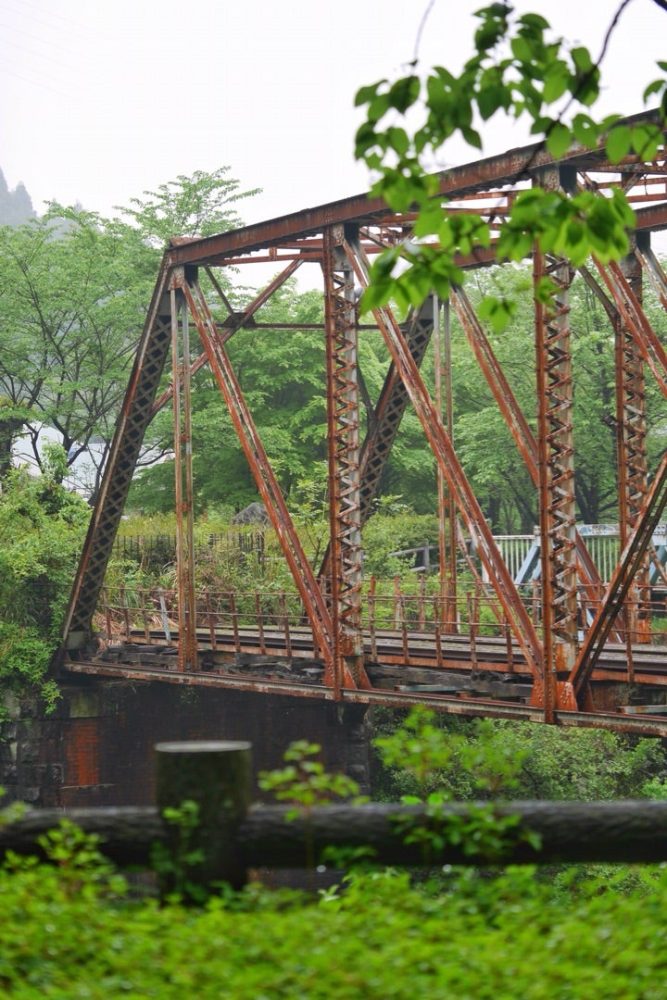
(574, 651)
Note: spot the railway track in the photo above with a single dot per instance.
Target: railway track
(485, 677)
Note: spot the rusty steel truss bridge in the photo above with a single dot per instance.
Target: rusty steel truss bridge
(578, 652)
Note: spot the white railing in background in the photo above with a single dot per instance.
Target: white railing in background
(521, 552)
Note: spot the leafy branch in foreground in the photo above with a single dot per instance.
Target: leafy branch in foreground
(518, 69)
(304, 782)
(423, 750)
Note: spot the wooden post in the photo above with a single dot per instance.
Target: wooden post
(216, 775)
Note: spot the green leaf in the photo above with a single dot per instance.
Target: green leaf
(398, 140)
(585, 131)
(404, 92)
(521, 49)
(646, 140)
(497, 311)
(618, 143)
(653, 88)
(556, 82)
(378, 107)
(490, 100)
(377, 294)
(535, 21)
(544, 290)
(558, 140)
(472, 137)
(429, 219)
(581, 58)
(366, 94)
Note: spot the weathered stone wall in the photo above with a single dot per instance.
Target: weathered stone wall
(97, 747)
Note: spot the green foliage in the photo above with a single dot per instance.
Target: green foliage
(423, 750)
(488, 759)
(387, 533)
(381, 937)
(24, 661)
(12, 812)
(459, 933)
(199, 205)
(174, 864)
(74, 287)
(71, 306)
(42, 527)
(418, 747)
(304, 782)
(83, 871)
(519, 70)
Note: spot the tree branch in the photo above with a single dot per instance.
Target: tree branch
(420, 30)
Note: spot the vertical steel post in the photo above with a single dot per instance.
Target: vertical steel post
(343, 453)
(631, 448)
(180, 346)
(442, 350)
(556, 468)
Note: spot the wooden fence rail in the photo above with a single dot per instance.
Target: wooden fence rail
(235, 836)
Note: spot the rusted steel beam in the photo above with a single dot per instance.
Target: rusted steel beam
(471, 707)
(444, 401)
(184, 495)
(460, 488)
(386, 418)
(264, 476)
(653, 269)
(619, 586)
(496, 380)
(607, 304)
(516, 422)
(555, 485)
(631, 449)
(555, 469)
(651, 219)
(492, 171)
(635, 320)
(345, 563)
(134, 418)
(390, 408)
(236, 322)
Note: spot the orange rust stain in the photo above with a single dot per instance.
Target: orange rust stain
(82, 753)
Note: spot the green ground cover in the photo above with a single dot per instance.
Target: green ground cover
(505, 937)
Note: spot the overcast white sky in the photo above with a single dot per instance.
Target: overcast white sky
(102, 99)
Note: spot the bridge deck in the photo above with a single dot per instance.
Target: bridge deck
(488, 676)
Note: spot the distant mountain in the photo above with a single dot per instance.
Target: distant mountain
(15, 206)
